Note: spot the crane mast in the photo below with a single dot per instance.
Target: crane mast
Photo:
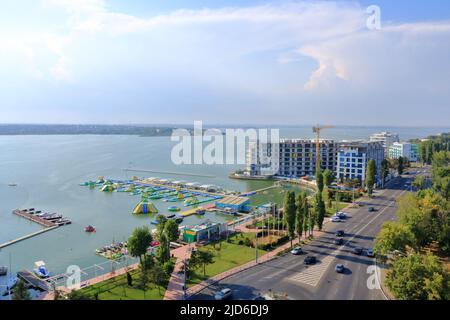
(317, 130)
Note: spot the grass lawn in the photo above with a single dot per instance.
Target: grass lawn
(117, 289)
(331, 211)
(276, 195)
(231, 255)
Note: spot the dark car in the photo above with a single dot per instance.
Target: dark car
(339, 241)
(372, 209)
(310, 260)
(358, 250)
(340, 233)
(370, 253)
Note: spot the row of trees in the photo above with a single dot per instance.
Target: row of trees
(300, 215)
(423, 228)
(432, 145)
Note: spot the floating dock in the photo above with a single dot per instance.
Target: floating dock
(47, 220)
(34, 281)
(27, 214)
(193, 211)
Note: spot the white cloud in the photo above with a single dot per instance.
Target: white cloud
(280, 54)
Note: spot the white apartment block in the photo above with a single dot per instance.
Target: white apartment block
(353, 156)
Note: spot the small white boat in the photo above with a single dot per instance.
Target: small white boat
(41, 270)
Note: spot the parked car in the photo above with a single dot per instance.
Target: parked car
(335, 219)
(372, 209)
(357, 250)
(370, 253)
(339, 241)
(297, 251)
(341, 215)
(223, 294)
(340, 233)
(339, 268)
(310, 260)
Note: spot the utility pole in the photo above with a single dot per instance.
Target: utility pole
(256, 247)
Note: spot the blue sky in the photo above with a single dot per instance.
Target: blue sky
(237, 62)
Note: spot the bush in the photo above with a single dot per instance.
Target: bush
(241, 242)
(248, 242)
(168, 267)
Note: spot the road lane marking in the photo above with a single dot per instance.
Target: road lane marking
(313, 274)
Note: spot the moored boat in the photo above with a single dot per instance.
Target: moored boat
(41, 270)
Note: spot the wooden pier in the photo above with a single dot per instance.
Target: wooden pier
(6, 244)
(27, 215)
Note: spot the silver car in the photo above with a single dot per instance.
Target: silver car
(223, 294)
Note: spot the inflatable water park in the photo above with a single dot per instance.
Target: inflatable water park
(180, 194)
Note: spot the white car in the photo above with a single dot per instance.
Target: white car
(335, 219)
(223, 294)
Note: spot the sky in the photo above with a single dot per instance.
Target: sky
(225, 62)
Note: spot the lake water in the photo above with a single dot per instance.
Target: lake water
(48, 170)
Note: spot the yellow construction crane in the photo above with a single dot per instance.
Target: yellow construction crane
(317, 129)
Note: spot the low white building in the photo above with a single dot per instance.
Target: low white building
(386, 138)
(405, 150)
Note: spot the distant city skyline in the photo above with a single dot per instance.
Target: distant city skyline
(225, 62)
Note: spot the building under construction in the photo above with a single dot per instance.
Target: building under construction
(290, 157)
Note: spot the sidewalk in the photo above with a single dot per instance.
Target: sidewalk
(174, 289)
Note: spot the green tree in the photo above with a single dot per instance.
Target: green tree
(161, 220)
(441, 173)
(158, 277)
(300, 214)
(419, 183)
(319, 179)
(393, 236)
(171, 230)
(139, 242)
(21, 292)
(370, 176)
(320, 210)
(306, 215)
(202, 258)
(144, 281)
(163, 253)
(400, 165)
(289, 213)
(384, 171)
(418, 277)
(328, 177)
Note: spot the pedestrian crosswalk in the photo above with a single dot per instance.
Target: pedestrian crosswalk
(311, 275)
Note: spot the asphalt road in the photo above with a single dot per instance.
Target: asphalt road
(289, 276)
